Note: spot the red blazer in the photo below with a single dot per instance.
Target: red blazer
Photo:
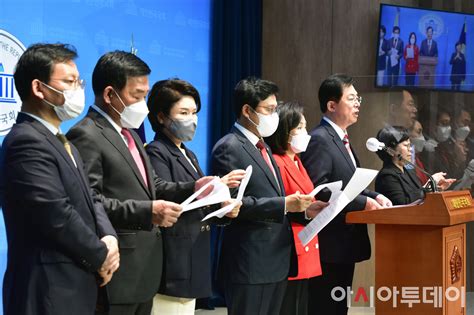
(411, 64)
(296, 179)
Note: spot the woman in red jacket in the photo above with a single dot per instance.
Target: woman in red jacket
(290, 139)
(410, 54)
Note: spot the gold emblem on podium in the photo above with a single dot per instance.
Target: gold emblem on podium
(456, 265)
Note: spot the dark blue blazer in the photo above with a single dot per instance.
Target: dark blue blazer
(187, 264)
(258, 245)
(53, 225)
(326, 160)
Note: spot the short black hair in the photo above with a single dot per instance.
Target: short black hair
(396, 28)
(114, 68)
(164, 94)
(428, 28)
(391, 136)
(382, 27)
(252, 91)
(37, 62)
(290, 115)
(332, 89)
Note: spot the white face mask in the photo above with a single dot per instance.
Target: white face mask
(443, 133)
(419, 143)
(462, 132)
(74, 103)
(395, 35)
(412, 41)
(268, 124)
(132, 115)
(299, 142)
(430, 145)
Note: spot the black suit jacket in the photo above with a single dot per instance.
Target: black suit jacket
(187, 271)
(326, 159)
(113, 174)
(433, 52)
(400, 187)
(258, 245)
(53, 225)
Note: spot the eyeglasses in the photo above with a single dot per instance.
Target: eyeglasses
(352, 99)
(269, 109)
(76, 83)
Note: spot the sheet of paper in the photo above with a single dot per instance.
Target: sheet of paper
(393, 59)
(240, 194)
(410, 53)
(219, 193)
(339, 199)
(197, 193)
(334, 186)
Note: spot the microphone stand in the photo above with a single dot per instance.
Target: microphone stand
(432, 182)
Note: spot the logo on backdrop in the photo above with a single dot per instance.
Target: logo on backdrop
(10, 51)
(434, 21)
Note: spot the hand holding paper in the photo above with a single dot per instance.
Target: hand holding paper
(297, 202)
(232, 179)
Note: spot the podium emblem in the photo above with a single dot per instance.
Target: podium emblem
(455, 265)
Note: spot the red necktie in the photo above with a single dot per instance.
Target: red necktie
(132, 147)
(345, 140)
(263, 151)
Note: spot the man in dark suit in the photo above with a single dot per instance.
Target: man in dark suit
(328, 158)
(258, 245)
(395, 55)
(120, 172)
(382, 52)
(60, 242)
(429, 47)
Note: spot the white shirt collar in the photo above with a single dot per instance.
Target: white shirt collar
(110, 120)
(45, 123)
(341, 133)
(247, 133)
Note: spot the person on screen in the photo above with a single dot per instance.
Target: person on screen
(61, 245)
(429, 47)
(394, 180)
(458, 67)
(395, 55)
(410, 54)
(383, 51)
(173, 106)
(328, 158)
(288, 140)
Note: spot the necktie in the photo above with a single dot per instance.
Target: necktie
(132, 147)
(66, 145)
(395, 43)
(345, 140)
(429, 45)
(263, 151)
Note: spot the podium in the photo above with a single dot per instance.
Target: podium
(420, 254)
(427, 71)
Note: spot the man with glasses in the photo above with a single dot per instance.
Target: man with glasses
(61, 245)
(258, 246)
(328, 158)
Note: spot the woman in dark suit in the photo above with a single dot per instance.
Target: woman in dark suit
(458, 70)
(395, 181)
(173, 106)
(288, 140)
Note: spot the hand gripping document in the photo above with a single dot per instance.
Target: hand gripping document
(240, 194)
(339, 199)
(219, 193)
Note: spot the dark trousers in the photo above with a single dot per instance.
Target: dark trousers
(295, 301)
(254, 299)
(410, 79)
(334, 275)
(129, 309)
(393, 73)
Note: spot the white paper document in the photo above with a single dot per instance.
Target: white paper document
(393, 57)
(410, 53)
(240, 194)
(339, 199)
(219, 193)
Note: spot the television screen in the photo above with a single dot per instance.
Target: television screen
(425, 49)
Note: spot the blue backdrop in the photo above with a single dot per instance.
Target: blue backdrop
(171, 36)
(447, 29)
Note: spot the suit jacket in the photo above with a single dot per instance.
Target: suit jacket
(115, 177)
(398, 47)
(297, 179)
(258, 245)
(382, 59)
(53, 225)
(400, 187)
(326, 160)
(424, 51)
(187, 269)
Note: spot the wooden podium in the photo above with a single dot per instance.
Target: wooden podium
(427, 71)
(420, 250)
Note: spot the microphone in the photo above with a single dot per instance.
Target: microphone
(375, 145)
